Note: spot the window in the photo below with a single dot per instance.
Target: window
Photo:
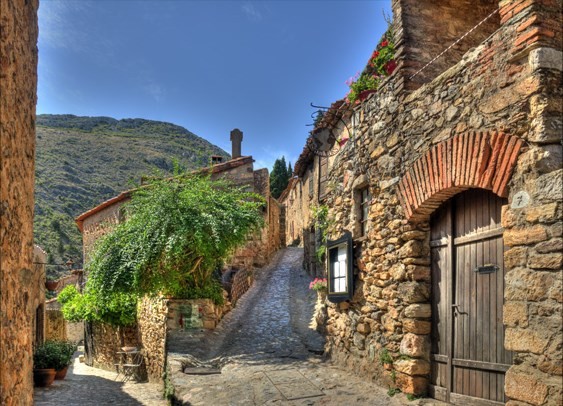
(323, 175)
(365, 199)
(340, 269)
(311, 184)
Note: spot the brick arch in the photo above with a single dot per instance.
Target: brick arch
(470, 160)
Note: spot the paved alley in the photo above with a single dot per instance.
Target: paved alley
(266, 352)
(87, 386)
(262, 353)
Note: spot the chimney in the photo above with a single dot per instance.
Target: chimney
(236, 139)
(216, 159)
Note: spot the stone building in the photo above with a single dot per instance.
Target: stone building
(292, 201)
(157, 318)
(305, 192)
(20, 286)
(450, 186)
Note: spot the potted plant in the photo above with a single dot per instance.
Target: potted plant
(43, 365)
(64, 351)
(319, 286)
(51, 360)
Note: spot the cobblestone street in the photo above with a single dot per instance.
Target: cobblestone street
(87, 386)
(263, 352)
(267, 353)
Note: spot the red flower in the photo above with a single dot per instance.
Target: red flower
(390, 66)
(375, 54)
(384, 43)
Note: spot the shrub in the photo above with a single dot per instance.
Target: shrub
(55, 354)
(175, 234)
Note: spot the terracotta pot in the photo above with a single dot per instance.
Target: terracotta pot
(62, 373)
(43, 377)
(51, 285)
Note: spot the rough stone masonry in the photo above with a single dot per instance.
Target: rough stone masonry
(18, 86)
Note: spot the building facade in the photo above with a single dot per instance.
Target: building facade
(450, 187)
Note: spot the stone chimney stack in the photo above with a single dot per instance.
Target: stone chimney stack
(236, 140)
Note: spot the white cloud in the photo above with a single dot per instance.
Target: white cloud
(251, 11)
(156, 91)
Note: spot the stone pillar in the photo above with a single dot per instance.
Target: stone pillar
(236, 139)
(18, 95)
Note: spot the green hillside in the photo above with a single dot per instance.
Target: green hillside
(83, 161)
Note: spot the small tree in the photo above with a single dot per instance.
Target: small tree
(279, 177)
(176, 233)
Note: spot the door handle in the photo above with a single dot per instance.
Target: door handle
(456, 309)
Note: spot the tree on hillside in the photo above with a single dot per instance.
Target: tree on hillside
(289, 171)
(279, 177)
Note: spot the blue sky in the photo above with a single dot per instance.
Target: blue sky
(209, 66)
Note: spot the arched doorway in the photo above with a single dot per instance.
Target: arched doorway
(468, 356)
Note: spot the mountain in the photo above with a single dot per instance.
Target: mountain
(83, 161)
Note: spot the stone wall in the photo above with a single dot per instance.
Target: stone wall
(489, 121)
(156, 317)
(19, 291)
(183, 314)
(152, 316)
(242, 281)
(421, 36)
(57, 328)
(98, 224)
(261, 245)
(105, 341)
(274, 227)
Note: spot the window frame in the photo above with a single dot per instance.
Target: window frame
(333, 251)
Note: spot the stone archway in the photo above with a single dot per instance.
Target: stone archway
(483, 159)
(473, 160)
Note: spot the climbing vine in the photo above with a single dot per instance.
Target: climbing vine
(175, 234)
(322, 222)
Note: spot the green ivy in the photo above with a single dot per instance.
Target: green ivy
(322, 223)
(176, 233)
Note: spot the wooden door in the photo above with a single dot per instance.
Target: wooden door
(468, 355)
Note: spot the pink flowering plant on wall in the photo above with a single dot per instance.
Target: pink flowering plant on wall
(318, 284)
(381, 64)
